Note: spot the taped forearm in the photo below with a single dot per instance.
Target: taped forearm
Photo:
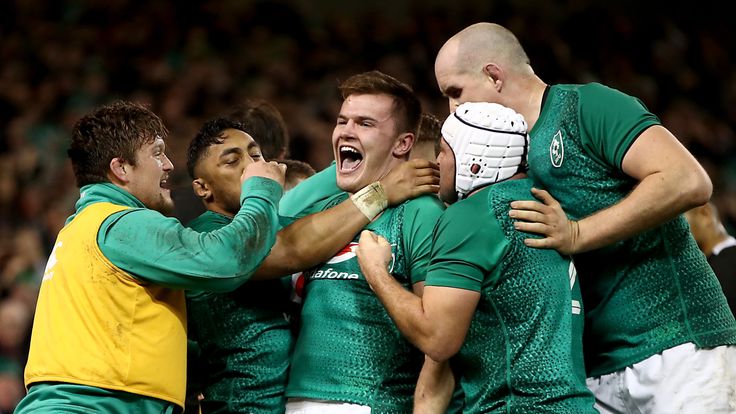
(371, 200)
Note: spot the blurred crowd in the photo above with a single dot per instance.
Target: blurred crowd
(191, 61)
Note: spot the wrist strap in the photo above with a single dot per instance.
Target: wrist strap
(371, 200)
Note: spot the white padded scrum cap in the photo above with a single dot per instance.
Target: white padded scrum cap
(489, 141)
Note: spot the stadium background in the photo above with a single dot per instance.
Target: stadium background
(193, 60)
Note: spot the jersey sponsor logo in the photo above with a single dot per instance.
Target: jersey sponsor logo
(297, 287)
(330, 273)
(557, 150)
(347, 253)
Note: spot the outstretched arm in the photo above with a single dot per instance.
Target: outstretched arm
(315, 238)
(437, 322)
(671, 181)
(435, 387)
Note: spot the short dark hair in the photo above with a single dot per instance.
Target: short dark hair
(407, 107)
(430, 130)
(296, 168)
(116, 130)
(211, 133)
(266, 125)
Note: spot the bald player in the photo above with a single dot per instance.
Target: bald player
(659, 336)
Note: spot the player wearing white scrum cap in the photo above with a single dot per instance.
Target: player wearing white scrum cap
(489, 142)
(486, 293)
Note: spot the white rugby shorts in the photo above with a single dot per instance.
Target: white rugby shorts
(682, 379)
(309, 406)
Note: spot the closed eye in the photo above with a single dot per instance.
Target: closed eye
(232, 160)
(453, 92)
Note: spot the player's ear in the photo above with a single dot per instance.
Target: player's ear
(202, 189)
(403, 144)
(119, 171)
(495, 75)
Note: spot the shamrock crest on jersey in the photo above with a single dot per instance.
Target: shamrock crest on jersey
(557, 150)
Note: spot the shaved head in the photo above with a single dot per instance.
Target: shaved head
(486, 63)
(482, 43)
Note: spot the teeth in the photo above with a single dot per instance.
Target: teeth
(349, 149)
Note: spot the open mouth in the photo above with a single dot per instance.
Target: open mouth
(164, 184)
(350, 158)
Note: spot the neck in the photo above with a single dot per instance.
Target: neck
(216, 208)
(529, 102)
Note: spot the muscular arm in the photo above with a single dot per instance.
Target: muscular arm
(160, 250)
(436, 322)
(312, 240)
(435, 387)
(315, 238)
(670, 182)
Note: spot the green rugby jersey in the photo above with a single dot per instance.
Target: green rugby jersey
(642, 295)
(314, 189)
(523, 350)
(348, 349)
(245, 341)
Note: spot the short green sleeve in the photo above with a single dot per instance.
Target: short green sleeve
(611, 121)
(468, 245)
(314, 189)
(420, 218)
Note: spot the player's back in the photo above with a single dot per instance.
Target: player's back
(523, 350)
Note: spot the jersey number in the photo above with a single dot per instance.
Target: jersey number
(573, 273)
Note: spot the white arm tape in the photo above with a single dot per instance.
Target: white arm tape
(371, 200)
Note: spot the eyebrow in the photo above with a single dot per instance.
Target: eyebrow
(358, 118)
(448, 90)
(231, 150)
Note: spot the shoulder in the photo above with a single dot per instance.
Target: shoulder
(426, 200)
(605, 97)
(326, 177)
(520, 189)
(208, 221)
(424, 206)
(314, 189)
(474, 209)
(472, 221)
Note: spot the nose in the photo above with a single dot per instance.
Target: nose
(347, 129)
(453, 104)
(168, 165)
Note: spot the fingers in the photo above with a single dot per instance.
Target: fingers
(528, 205)
(367, 236)
(280, 165)
(545, 196)
(427, 172)
(545, 243)
(422, 163)
(381, 241)
(427, 189)
(528, 215)
(536, 228)
(426, 180)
